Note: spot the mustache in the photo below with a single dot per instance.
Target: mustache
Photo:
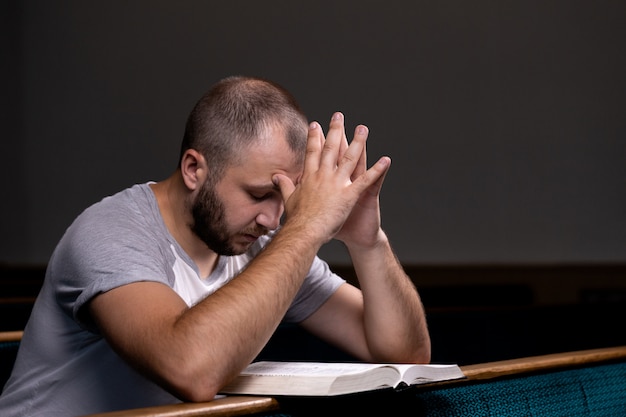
(256, 231)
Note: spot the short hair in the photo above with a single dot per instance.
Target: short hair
(235, 113)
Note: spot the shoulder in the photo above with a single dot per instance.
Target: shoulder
(131, 202)
(121, 215)
(119, 231)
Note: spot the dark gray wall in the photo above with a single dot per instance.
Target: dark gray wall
(505, 120)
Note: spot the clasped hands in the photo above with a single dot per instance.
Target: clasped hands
(337, 196)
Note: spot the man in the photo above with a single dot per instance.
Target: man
(165, 291)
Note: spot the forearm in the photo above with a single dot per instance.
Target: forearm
(394, 320)
(251, 306)
(256, 300)
(194, 351)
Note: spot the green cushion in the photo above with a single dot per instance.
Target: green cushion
(598, 390)
(590, 391)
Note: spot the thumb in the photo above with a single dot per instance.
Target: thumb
(372, 179)
(285, 185)
(378, 184)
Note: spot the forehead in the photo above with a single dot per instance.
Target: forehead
(259, 162)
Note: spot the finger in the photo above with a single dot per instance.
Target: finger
(285, 185)
(343, 146)
(314, 145)
(375, 188)
(361, 166)
(332, 145)
(352, 163)
(374, 177)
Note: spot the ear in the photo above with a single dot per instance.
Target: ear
(193, 169)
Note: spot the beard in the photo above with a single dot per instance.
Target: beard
(209, 223)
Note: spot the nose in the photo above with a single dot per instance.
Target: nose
(271, 211)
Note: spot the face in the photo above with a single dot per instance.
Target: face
(244, 204)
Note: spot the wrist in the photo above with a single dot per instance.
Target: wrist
(302, 234)
(366, 248)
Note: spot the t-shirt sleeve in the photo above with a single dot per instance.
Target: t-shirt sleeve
(318, 286)
(104, 249)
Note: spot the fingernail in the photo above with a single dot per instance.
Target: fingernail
(337, 116)
(313, 125)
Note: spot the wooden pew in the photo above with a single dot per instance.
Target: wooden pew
(9, 344)
(222, 407)
(11, 336)
(550, 362)
(438, 399)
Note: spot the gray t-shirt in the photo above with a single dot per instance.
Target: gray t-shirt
(64, 367)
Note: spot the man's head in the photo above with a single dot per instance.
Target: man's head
(235, 113)
(246, 130)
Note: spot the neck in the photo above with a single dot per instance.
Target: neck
(173, 199)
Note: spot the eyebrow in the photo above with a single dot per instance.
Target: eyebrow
(264, 187)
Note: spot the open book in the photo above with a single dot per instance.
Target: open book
(329, 378)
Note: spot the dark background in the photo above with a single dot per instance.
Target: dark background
(505, 120)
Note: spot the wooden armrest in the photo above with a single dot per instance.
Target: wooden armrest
(14, 336)
(245, 405)
(538, 363)
(222, 407)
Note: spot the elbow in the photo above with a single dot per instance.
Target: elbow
(194, 389)
(191, 385)
(423, 351)
(418, 354)
(198, 389)
(196, 394)
(421, 348)
(416, 349)
(423, 355)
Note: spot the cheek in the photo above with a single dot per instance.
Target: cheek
(239, 214)
(239, 210)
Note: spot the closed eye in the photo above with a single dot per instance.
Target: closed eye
(260, 197)
(263, 192)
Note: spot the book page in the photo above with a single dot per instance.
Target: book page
(311, 378)
(414, 374)
(307, 368)
(332, 378)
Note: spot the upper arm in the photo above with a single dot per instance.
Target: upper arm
(135, 320)
(339, 321)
